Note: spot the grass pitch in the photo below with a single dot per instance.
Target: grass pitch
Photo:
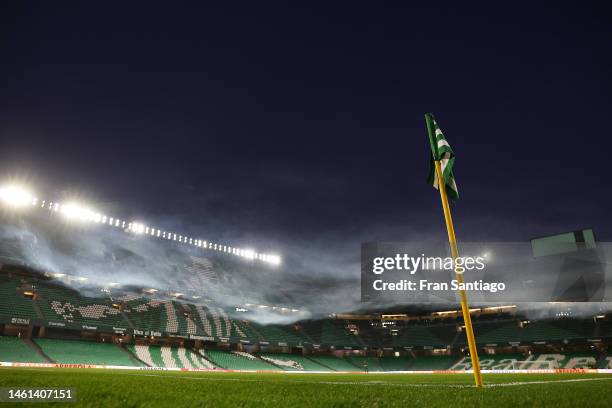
(123, 388)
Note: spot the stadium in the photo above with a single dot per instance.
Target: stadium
(57, 322)
(255, 204)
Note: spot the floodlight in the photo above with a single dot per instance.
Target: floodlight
(137, 228)
(78, 212)
(16, 196)
(274, 259)
(249, 254)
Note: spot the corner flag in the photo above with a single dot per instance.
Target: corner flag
(441, 176)
(442, 152)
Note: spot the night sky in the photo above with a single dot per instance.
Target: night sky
(283, 126)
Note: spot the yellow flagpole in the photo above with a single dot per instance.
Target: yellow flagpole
(465, 309)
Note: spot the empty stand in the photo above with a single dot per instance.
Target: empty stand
(84, 352)
(169, 357)
(238, 360)
(13, 349)
(59, 304)
(290, 362)
(13, 304)
(335, 363)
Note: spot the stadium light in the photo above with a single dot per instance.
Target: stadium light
(74, 211)
(137, 228)
(273, 259)
(16, 196)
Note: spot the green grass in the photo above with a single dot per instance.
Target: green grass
(123, 388)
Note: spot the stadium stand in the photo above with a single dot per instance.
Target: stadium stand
(236, 360)
(291, 362)
(14, 305)
(200, 317)
(67, 307)
(366, 363)
(331, 332)
(495, 332)
(534, 361)
(85, 352)
(248, 329)
(279, 334)
(149, 314)
(335, 363)
(169, 357)
(16, 350)
(394, 363)
(543, 331)
(489, 362)
(416, 336)
(431, 363)
(605, 362)
(95, 353)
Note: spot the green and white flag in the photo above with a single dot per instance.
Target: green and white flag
(441, 151)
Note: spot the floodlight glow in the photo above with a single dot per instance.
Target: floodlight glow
(16, 196)
(273, 259)
(76, 211)
(249, 254)
(137, 228)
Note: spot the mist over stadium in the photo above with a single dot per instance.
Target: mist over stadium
(93, 253)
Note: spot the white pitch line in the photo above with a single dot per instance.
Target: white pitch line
(511, 384)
